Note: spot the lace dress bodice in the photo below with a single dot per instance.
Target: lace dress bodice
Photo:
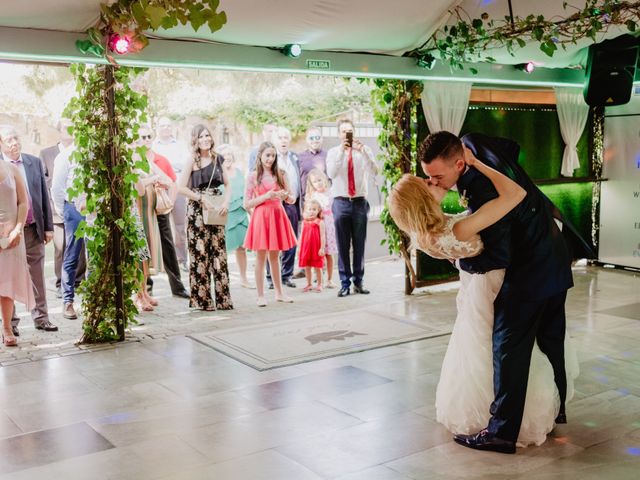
(446, 246)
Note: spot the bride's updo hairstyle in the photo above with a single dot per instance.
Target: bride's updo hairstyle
(414, 209)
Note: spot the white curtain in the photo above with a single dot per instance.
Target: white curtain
(445, 105)
(572, 113)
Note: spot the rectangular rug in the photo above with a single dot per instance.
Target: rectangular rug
(305, 339)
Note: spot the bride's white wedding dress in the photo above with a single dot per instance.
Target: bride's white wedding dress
(465, 389)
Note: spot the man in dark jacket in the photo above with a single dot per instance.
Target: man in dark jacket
(530, 305)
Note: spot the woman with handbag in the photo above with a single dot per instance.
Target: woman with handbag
(207, 209)
(162, 194)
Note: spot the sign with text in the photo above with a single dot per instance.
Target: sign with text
(620, 195)
(318, 64)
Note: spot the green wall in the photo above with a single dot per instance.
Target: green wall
(537, 130)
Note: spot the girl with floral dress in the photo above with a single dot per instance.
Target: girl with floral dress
(318, 189)
(269, 231)
(312, 243)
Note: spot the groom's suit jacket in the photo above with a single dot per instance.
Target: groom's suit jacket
(527, 241)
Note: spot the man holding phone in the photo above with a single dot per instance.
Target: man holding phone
(349, 166)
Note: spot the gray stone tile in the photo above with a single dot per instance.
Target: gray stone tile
(631, 311)
(49, 446)
(312, 386)
(260, 431)
(450, 460)
(375, 473)
(367, 445)
(267, 465)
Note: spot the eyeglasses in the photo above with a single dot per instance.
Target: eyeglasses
(145, 137)
(314, 137)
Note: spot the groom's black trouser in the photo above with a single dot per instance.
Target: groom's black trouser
(517, 325)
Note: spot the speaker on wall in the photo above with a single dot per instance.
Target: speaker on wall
(611, 67)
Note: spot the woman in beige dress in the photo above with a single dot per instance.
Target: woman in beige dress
(16, 283)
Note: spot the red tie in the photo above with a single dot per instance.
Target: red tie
(351, 179)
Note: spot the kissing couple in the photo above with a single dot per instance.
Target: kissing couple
(509, 368)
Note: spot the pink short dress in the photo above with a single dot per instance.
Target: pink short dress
(16, 282)
(269, 226)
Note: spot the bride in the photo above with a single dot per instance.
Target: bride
(465, 389)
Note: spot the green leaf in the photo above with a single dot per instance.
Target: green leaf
(155, 15)
(521, 42)
(196, 18)
(473, 70)
(548, 48)
(476, 23)
(631, 25)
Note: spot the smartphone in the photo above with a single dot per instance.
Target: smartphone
(350, 139)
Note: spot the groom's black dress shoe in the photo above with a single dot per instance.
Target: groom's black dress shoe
(561, 418)
(483, 440)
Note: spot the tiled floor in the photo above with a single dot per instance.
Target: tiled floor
(167, 407)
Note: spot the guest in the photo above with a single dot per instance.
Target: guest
(14, 204)
(312, 243)
(269, 231)
(177, 153)
(62, 183)
(48, 157)
(165, 177)
(318, 190)
(238, 219)
(314, 157)
(143, 300)
(349, 166)
(268, 130)
(38, 229)
(288, 163)
(206, 243)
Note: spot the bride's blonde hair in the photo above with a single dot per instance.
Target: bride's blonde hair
(414, 209)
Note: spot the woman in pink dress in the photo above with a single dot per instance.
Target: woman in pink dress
(269, 230)
(16, 283)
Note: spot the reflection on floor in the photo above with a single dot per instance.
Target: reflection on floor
(172, 408)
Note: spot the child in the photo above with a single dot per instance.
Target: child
(318, 189)
(269, 230)
(312, 243)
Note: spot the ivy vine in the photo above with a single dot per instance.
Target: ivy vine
(469, 39)
(131, 18)
(394, 102)
(100, 178)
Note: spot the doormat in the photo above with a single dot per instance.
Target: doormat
(305, 339)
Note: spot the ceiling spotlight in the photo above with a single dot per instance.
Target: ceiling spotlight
(119, 44)
(525, 67)
(292, 50)
(426, 61)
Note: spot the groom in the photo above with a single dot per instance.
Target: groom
(530, 305)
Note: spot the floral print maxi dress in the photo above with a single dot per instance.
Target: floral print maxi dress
(207, 250)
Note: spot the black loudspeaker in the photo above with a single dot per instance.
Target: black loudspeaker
(611, 68)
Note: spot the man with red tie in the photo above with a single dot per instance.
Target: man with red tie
(349, 166)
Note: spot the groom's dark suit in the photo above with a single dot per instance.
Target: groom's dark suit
(530, 305)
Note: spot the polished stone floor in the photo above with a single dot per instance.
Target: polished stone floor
(167, 407)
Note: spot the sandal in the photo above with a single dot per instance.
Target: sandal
(9, 340)
(284, 299)
(307, 288)
(318, 289)
(261, 302)
(247, 285)
(330, 284)
(142, 305)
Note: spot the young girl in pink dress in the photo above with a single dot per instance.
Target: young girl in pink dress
(318, 189)
(15, 284)
(269, 230)
(312, 243)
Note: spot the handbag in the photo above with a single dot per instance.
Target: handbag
(212, 216)
(164, 203)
